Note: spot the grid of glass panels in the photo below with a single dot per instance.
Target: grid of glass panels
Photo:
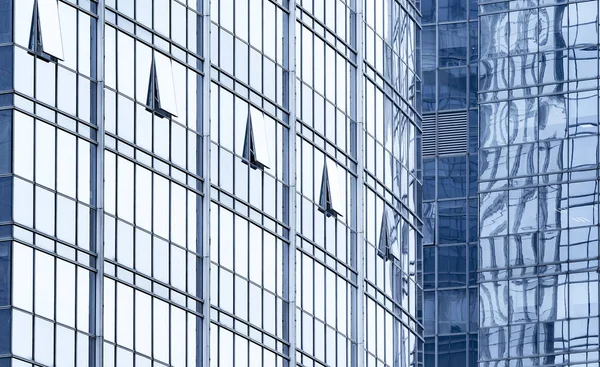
(153, 184)
(326, 252)
(449, 49)
(450, 261)
(392, 177)
(249, 217)
(49, 147)
(538, 183)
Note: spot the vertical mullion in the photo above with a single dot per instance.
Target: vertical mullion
(205, 229)
(289, 175)
(358, 212)
(99, 248)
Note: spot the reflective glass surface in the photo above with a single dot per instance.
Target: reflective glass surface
(132, 205)
(538, 201)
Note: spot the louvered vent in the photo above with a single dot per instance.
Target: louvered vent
(429, 135)
(445, 133)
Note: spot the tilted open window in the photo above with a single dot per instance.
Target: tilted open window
(330, 201)
(161, 88)
(388, 247)
(256, 152)
(45, 39)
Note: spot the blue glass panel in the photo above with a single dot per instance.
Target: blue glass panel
(452, 266)
(429, 48)
(473, 350)
(473, 310)
(6, 99)
(429, 267)
(452, 312)
(428, 90)
(452, 177)
(428, 8)
(4, 273)
(6, 21)
(452, 88)
(473, 220)
(428, 179)
(452, 221)
(473, 163)
(473, 13)
(473, 42)
(5, 199)
(473, 85)
(5, 332)
(429, 211)
(429, 313)
(451, 10)
(6, 231)
(453, 44)
(430, 352)
(5, 141)
(6, 68)
(452, 350)
(473, 258)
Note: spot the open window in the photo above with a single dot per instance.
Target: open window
(161, 87)
(388, 247)
(330, 201)
(45, 39)
(256, 152)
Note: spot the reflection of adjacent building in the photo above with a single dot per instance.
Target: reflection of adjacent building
(538, 211)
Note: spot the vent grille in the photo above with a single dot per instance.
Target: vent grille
(429, 135)
(445, 133)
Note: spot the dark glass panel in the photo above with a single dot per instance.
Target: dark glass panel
(453, 89)
(429, 265)
(429, 179)
(473, 208)
(429, 48)
(428, 90)
(5, 332)
(473, 310)
(429, 223)
(5, 141)
(473, 258)
(452, 10)
(6, 231)
(452, 313)
(452, 266)
(428, 8)
(473, 163)
(473, 42)
(452, 177)
(473, 350)
(429, 313)
(473, 81)
(5, 21)
(6, 68)
(4, 273)
(452, 221)
(453, 44)
(430, 352)
(5, 199)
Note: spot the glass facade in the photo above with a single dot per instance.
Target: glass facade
(538, 183)
(450, 247)
(210, 183)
